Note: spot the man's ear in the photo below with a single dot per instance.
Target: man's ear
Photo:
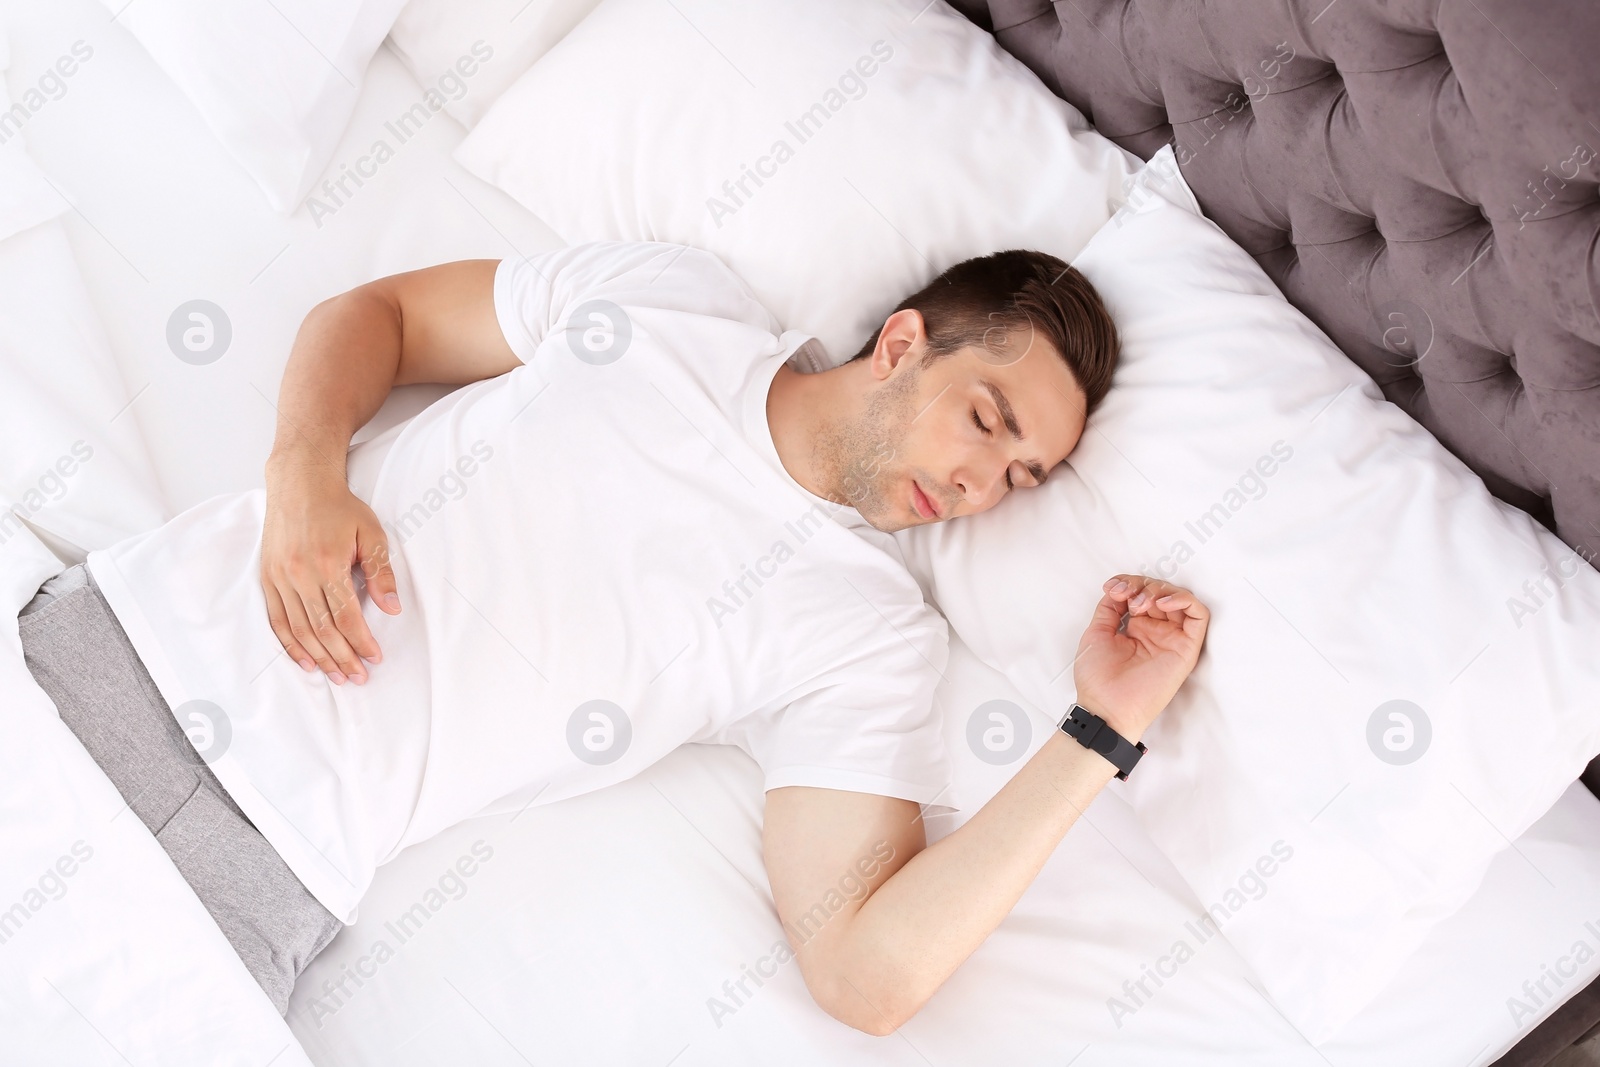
(902, 335)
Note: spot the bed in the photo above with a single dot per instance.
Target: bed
(625, 926)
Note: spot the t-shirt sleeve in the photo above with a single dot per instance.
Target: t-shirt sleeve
(534, 295)
(870, 725)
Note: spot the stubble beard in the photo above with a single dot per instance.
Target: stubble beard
(862, 459)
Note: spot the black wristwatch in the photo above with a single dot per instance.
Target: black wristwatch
(1091, 731)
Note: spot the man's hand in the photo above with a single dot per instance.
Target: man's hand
(1128, 677)
(316, 531)
(437, 324)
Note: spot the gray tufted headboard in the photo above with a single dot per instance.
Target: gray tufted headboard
(1419, 177)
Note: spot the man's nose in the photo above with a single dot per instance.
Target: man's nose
(980, 483)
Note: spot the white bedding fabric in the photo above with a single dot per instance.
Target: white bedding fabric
(602, 927)
(99, 935)
(472, 52)
(187, 223)
(594, 930)
(1390, 562)
(796, 141)
(106, 956)
(274, 81)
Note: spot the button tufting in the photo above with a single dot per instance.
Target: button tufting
(1423, 109)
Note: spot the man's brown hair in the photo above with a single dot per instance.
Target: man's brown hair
(1005, 295)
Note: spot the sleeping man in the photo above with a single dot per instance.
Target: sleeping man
(635, 525)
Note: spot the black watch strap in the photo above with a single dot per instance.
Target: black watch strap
(1091, 731)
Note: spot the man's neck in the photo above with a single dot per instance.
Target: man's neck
(803, 407)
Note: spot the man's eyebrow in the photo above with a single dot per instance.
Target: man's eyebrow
(1009, 417)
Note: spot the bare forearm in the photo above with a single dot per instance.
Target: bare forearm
(341, 369)
(924, 921)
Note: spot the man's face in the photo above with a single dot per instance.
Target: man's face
(950, 437)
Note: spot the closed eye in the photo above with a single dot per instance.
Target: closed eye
(978, 422)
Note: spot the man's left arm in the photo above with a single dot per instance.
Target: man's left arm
(877, 959)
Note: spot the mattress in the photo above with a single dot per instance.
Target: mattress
(635, 924)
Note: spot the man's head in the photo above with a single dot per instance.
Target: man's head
(975, 385)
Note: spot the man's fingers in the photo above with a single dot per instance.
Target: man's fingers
(1152, 596)
(1196, 618)
(1180, 606)
(1106, 619)
(1137, 590)
(372, 551)
(1130, 586)
(1123, 585)
(323, 628)
(279, 619)
(1138, 596)
(324, 605)
(301, 628)
(1172, 603)
(352, 625)
(1183, 604)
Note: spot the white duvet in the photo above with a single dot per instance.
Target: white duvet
(106, 956)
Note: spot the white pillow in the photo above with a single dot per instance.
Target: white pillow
(276, 81)
(73, 465)
(472, 50)
(1351, 564)
(26, 197)
(877, 144)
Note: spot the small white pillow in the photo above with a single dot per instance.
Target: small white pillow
(1400, 675)
(472, 50)
(26, 197)
(837, 155)
(276, 81)
(73, 464)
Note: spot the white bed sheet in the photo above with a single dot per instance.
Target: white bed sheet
(100, 934)
(599, 928)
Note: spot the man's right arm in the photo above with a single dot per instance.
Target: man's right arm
(434, 325)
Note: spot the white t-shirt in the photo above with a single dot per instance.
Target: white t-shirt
(599, 558)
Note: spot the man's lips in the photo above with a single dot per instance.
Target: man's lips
(922, 502)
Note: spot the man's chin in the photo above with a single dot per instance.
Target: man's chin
(883, 519)
(888, 507)
(888, 521)
(884, 523)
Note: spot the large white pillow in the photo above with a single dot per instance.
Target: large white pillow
(276, 80)
(835, 154)
(472, 50)
(1401, 673)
